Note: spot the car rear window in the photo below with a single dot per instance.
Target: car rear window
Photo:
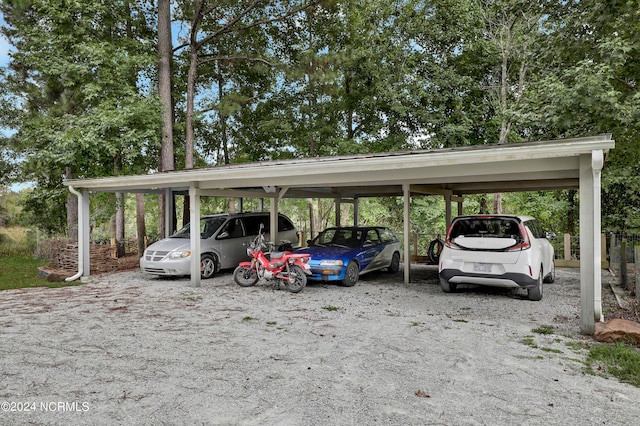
(496, 227)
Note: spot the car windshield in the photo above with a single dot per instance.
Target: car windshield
(495, 227)
(208, 226)
(339, 238)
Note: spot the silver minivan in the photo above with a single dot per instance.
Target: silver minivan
(223, 244)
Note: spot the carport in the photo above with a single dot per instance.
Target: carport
(452, 173)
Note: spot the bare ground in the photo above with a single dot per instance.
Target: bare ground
(129, 349)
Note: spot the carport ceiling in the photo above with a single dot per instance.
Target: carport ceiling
(543, 165)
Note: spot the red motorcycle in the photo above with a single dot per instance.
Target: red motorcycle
(284, 267)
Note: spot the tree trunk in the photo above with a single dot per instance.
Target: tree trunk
(72, 210)
(191, 84)
(312, 222)
(186, 210)
(497, 203)
(571, 216)
(120, 224)
(166, 161)
(140, 225)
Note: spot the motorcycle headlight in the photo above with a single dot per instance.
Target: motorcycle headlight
(179, 254)
(331, 262)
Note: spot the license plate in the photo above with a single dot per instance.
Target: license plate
(482, 267)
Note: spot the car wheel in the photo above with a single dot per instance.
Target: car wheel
(535, 293)
(447, 287)
(551, 276)
(297, 279)
(207, 265)
(394, 266)
(351, 277)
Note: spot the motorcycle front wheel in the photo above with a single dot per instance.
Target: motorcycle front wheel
(245, 277)
(297, 279)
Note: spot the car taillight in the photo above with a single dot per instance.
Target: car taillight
(525, 243)
(450, 244)
(447, 242)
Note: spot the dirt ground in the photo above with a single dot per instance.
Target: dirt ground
(125, 348)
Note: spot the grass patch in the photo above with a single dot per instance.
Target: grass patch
(544, 329)
(555, 351)
(22, 272)
(191, 297)
(330, 308)
(248, 318)
(619, 360)
(575, 346)
(529, 341)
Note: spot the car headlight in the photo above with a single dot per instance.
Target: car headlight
(179, 254)
(331, 262)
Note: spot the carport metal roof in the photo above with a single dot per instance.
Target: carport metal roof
(543, 165)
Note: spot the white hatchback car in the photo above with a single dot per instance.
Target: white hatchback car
(499, 251)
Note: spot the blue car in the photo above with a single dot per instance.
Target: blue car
(344, 253)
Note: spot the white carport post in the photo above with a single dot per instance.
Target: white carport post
(273, 220)
(194, 221)
(84, 232)
(590, 265)
(406, 189)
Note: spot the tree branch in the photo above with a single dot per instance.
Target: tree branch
(234, 58)
(229, 27)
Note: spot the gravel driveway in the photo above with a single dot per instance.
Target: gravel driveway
(134, 350)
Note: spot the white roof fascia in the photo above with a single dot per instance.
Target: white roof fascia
(450, 164)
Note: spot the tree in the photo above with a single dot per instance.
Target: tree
(590, 87)
(165, 50)
(78, 112)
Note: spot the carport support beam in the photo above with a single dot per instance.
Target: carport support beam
(194, 220)
(590, 266)
(406, 189)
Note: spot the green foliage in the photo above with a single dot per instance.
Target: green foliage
(341, 77)
(76, 82)
(619, 360)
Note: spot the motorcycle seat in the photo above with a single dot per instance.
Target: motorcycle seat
(276, 255)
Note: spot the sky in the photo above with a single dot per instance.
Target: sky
(4, 46)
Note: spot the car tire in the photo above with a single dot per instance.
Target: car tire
(208, 265)
(551, 276)
(352, 274)
(535, 293)
(394, 266)
(434, 250)
(448, 287)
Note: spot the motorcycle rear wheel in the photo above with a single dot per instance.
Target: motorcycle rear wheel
(245, 277)
(297, 279)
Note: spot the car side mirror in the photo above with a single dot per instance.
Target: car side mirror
(309, 242)
(550, 234)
